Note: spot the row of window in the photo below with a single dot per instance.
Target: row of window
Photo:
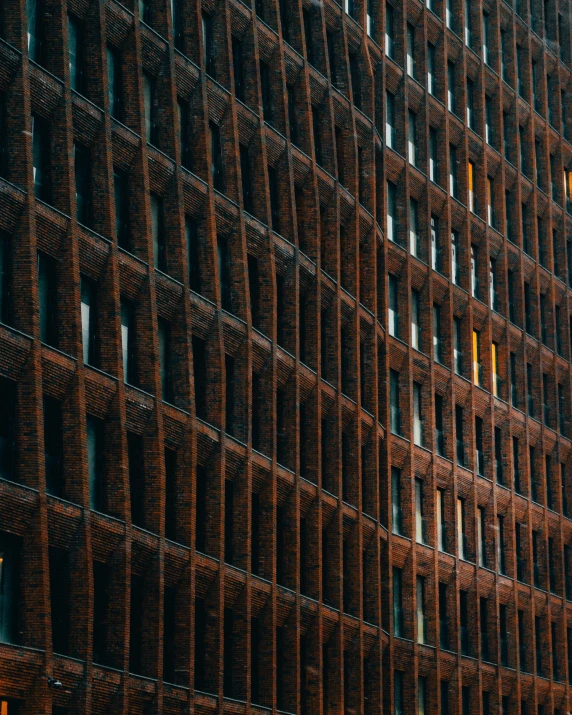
(481, 631)
(472, 541)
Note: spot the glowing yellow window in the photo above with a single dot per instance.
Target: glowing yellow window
(494, 359)
(476, 358)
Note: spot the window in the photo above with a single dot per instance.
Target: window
(471, 187)
(451, 104)
(437, 341)
(224, 273)
(53, 446)
(411, 138)
(411, 67)
(398, 695)
(88, 322)
(465, 637)
(208, 44)
(417, 421)
(393, 317)
(458, 349)
(481, 537)
(7, 425)
(216, 157)
(484, 632)
(165, 360)
(158, 233)
(415, 317)
(520, 64)
(76, 44)
(82, 164)
(238, 68)
(443, 624)
(461, 538)
(490, 203)
(435, 252)
(397, 514)
(493, 296)
(150, 102)
(501, 557)
(128, 342)
(275, 198)
(390, 120)
(421, 620)
(9, 588)
(480, 456)
(431, 74)
(421, 694)
(420, 528)
(395, 412)
(391, 212)
(5, 278)
(95, 447)
(476, 358)
(192, 240)
(389, 30)
(433, 157)
(504, 55)
(455, 268)
(355, 79)
(521, 642)
(468, 25)
(439, 433)
(121, 199)
(453, 183)
(414, 242)
(398, 624)
(265, 86)
(538, 643)
(441, 525)
(48, 299)
(449, 17)
(444, 692)
(499, 470)
(486, 39)
(528, 308)
(520, 557)
(41, 158)
(470, 104)
(114, 83)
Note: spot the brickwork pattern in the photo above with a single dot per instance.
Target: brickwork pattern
(257, 513)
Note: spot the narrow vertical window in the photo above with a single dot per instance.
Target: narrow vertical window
(413, 228)
(457, 347)
(393, 294)
(94, 428)
(391, 212)
(75, 44)
(395, 412)
(158, 233)
(128, 342)
(420, 530)
(390, 120)
(48, 299)
(417, 421)
(41, 158)
(165, 360)
(461, 538)
(415, 317)
(114, 83)
(433, 156)
(88, 322)
(441, 524)
(389, 30)
(397, 516)
(421, 619)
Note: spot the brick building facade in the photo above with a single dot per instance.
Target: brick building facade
(285, 347)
